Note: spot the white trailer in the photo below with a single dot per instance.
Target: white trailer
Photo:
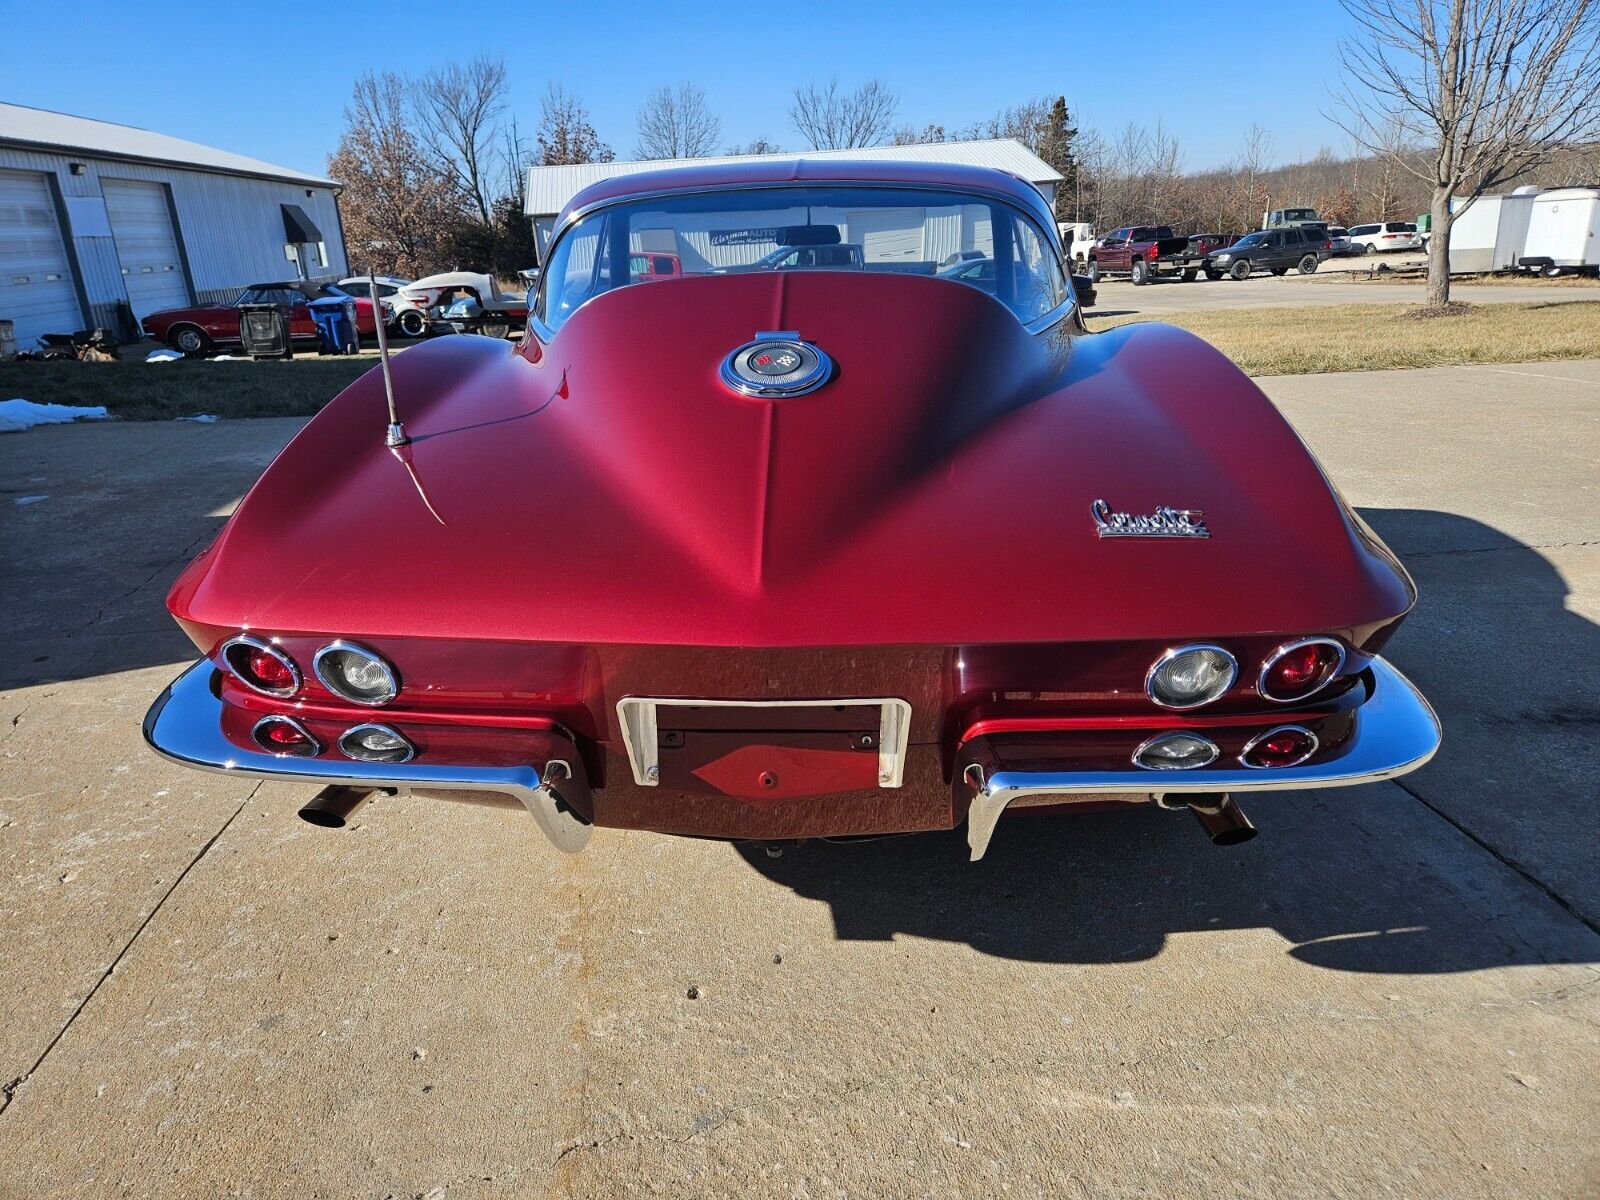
(1564, 231)
(1489, 235)
(1077, 237)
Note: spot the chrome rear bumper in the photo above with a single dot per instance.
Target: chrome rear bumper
(185, 725)
(1395, 732)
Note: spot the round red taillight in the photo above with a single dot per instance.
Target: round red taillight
(1285, 746)
(262, 666)
(285, 735)
(1295, 671)
(270, 670)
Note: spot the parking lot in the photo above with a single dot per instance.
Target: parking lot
(1390, 992)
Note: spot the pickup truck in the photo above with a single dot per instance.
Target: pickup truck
(1143, 253)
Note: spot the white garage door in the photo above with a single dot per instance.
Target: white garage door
(892, 236)
(146, 245)
(36, 291)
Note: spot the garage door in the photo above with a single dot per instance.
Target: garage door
(36, 291)
(147, 247)
(892, 236)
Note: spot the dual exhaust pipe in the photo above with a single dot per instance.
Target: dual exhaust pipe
(1222, 819)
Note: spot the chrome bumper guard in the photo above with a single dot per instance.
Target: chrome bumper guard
(185, 725)
(1395, 732)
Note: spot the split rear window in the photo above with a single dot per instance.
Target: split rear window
(906, 231)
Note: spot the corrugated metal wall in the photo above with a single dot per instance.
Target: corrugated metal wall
(229, 227)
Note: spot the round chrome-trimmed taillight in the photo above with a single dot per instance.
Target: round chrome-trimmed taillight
(1191, 676)
(1300, 745)
(376, 744)
(285, 737)
(244, 656)
(1326, 669)
(356, 674)
(1176, 750)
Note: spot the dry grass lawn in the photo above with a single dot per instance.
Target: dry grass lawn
(1264, 341)
(141, 391)
(1376, 337)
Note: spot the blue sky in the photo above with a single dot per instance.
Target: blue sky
(278, 94)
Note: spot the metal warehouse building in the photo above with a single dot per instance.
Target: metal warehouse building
(101, 224)
(549, 188)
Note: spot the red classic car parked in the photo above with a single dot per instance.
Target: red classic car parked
(204, 328)
(840, 550)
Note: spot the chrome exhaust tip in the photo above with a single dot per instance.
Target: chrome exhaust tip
(333, 806)
(1223, 820)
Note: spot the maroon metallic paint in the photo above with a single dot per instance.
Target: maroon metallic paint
(600, 517)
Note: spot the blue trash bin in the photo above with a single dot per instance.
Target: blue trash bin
(335, 317)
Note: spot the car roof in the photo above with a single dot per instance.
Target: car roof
(776, 173)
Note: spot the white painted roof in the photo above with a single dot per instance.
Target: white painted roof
(48, 130)
(549, 188)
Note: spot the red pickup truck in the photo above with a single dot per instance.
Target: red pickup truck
(1144, 252)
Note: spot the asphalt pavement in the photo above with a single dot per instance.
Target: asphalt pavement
(1390, 992)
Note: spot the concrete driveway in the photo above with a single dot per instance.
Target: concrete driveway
(1335, 283)
(1390, 992)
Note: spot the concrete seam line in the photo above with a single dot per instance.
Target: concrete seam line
(1499, 549)
(9, 1091)
(1506, 860)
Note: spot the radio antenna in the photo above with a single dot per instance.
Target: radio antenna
(397, 433)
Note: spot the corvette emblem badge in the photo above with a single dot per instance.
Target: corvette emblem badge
(776, 364)
(1165, 522)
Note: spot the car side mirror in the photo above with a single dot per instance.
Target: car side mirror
(1084, 287)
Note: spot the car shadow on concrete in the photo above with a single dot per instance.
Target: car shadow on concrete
(1426, 878)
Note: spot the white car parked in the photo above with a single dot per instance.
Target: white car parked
(398, 311)
(1385, 235)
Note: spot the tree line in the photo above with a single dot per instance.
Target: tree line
(1442, 99)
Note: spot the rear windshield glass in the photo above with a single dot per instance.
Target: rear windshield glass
(966, 240)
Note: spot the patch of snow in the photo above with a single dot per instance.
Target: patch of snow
(163, 355)
(202, 418)
(17, 415)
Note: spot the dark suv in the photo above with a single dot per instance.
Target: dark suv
(1274, 250)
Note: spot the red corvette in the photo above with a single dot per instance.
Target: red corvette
(836, 550)
(204, 328)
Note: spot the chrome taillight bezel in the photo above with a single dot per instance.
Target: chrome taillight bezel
(245, 641)
(1287, 647)
(1173, 652)
(1137, 758)
(1244, 754)
(312, 748)
(410, 747)
(341, 646)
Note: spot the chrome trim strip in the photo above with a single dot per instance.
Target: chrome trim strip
(1244, 754)
(411, 751)
(1261, 676)
(185, 725)
(1168, 656)
(636, 721)
(1395, 733)
(314, 746)
(256, 643)
(388, 668)
(1172, 733)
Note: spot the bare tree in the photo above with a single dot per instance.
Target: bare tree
(833, 120)
(459, 109)
(566, 135)
(397, 208)
(676, 122)
(910, 135)
(1491, 87)
(759, 145)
